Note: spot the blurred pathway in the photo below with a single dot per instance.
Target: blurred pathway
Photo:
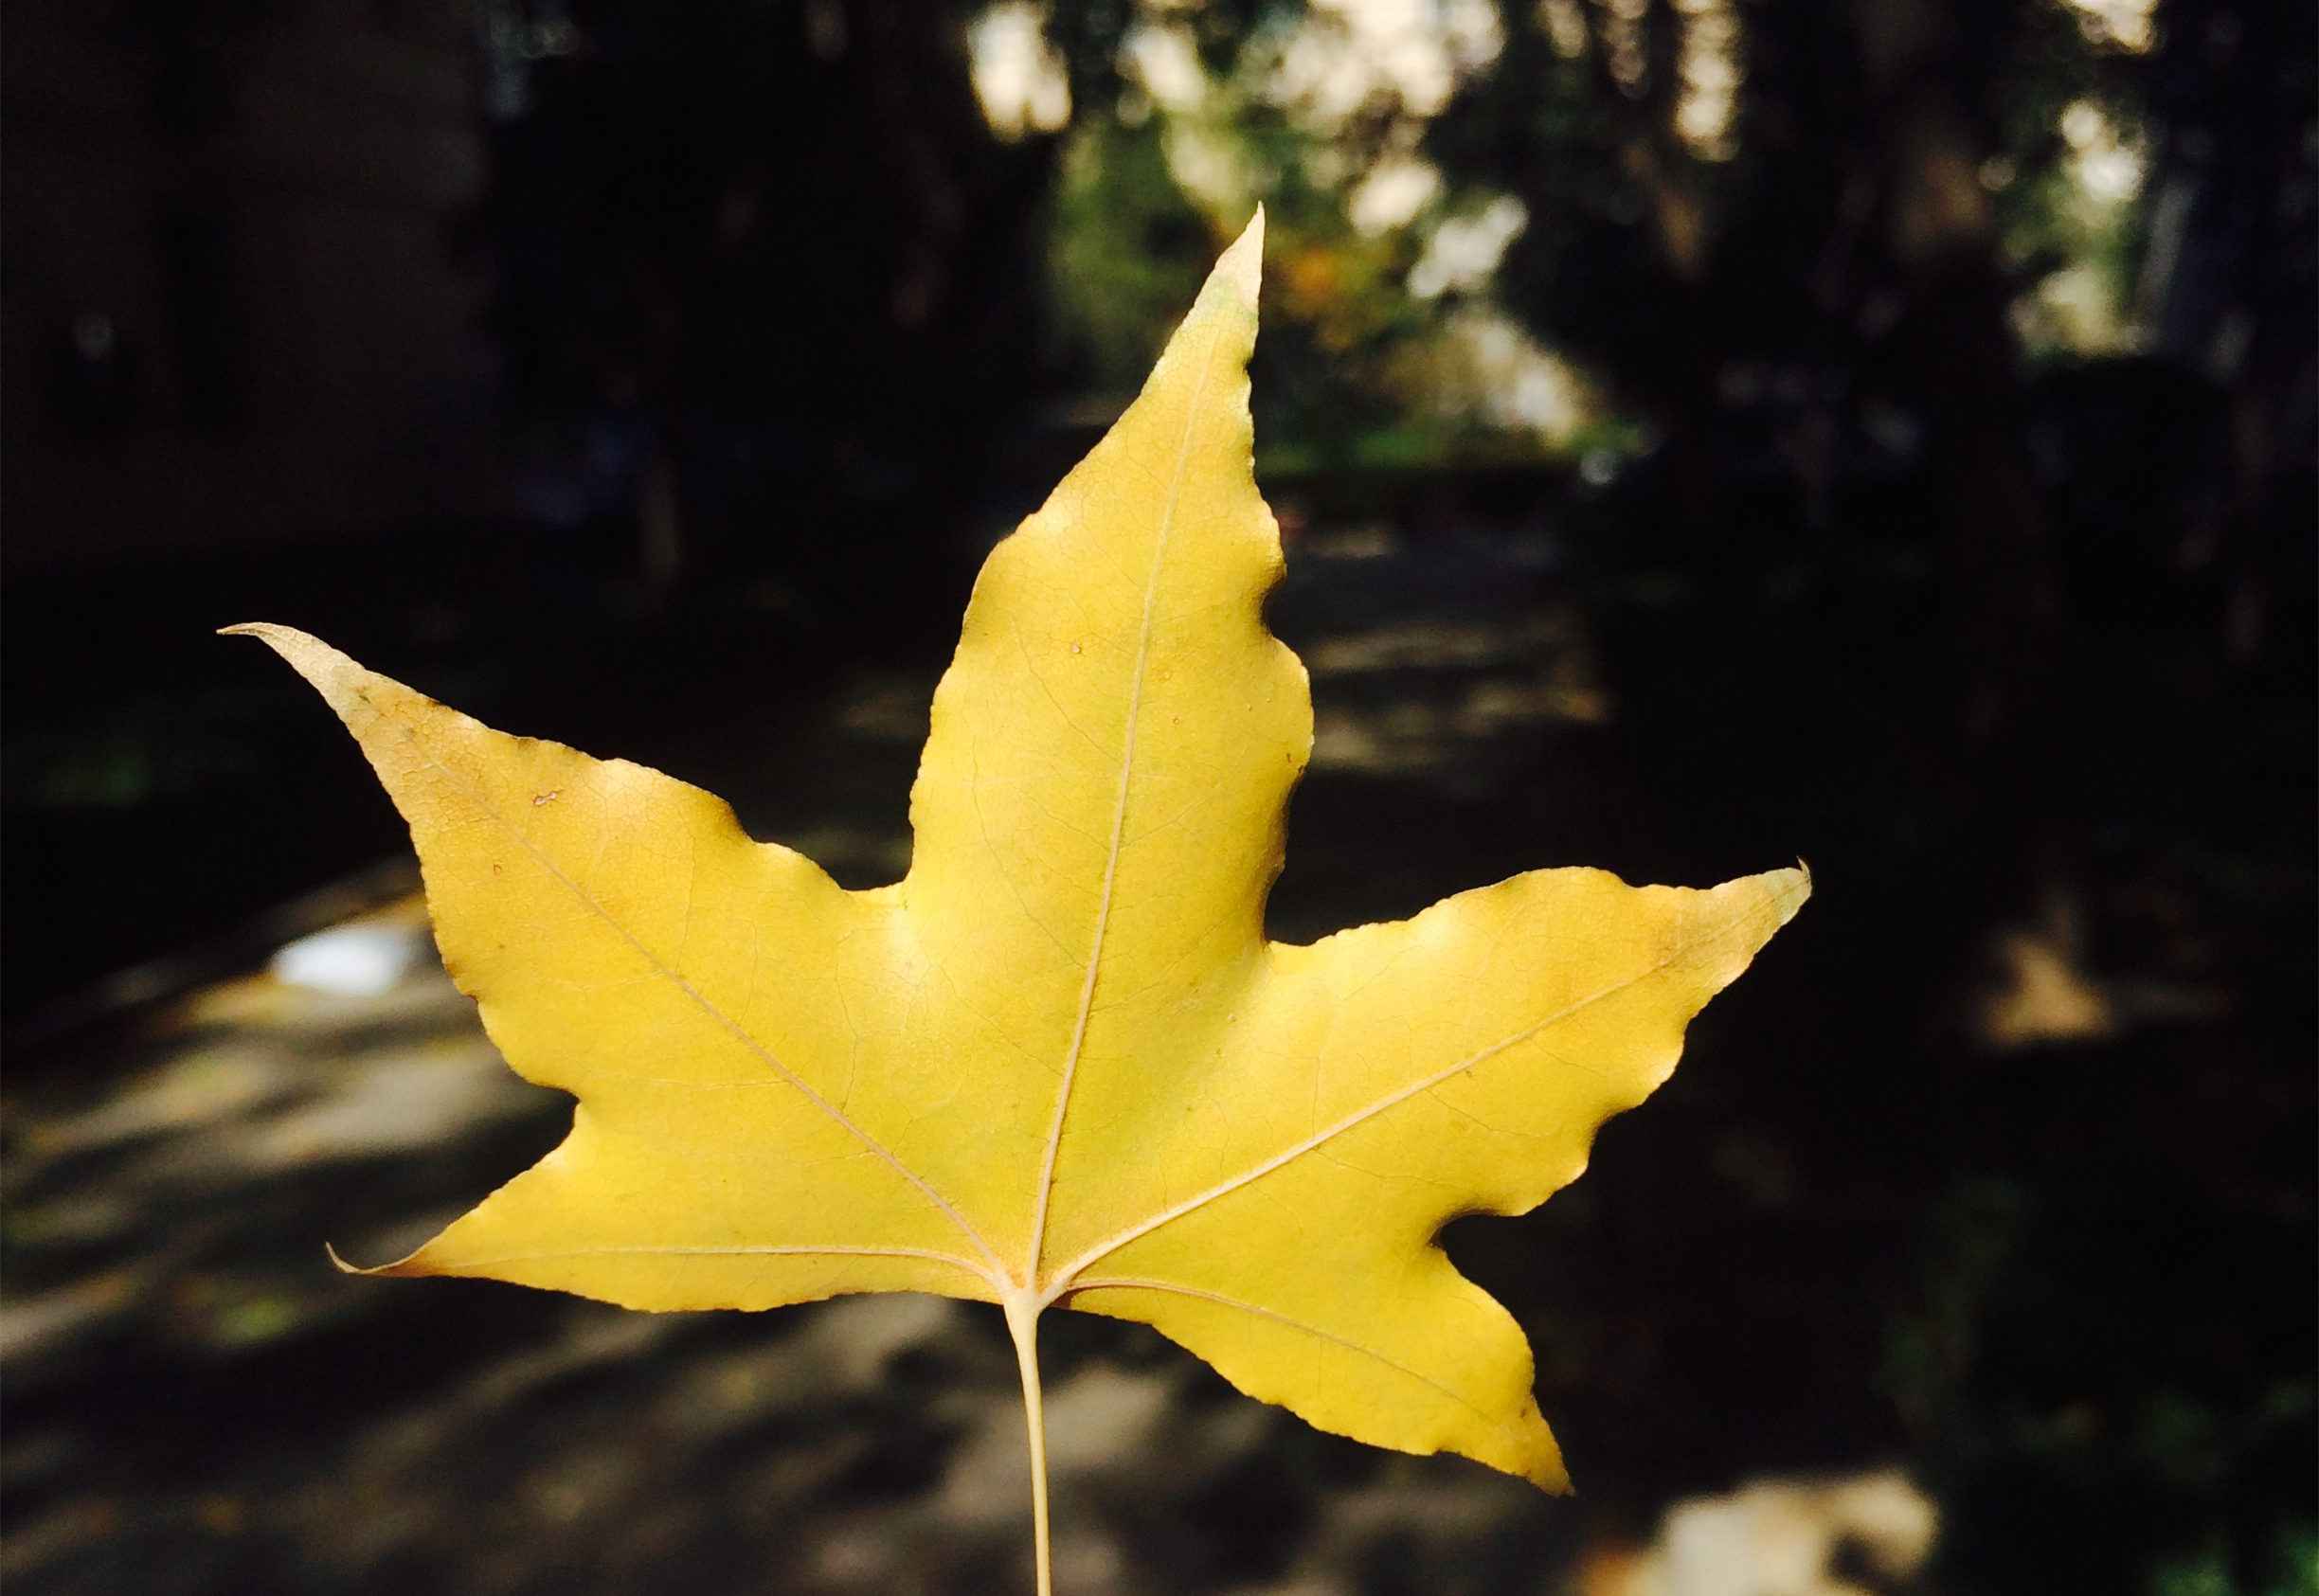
(197, 1403)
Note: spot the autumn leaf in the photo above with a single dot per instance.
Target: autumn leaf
(1058, 1064)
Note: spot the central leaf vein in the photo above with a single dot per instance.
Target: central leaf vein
(1118, 814)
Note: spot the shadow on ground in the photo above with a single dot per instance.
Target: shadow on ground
(1995, 1171)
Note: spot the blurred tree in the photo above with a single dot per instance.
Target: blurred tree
(768, 265)
(1780, 216)
(2017, 292)
(1807, 237)
(1130, 250)
(2227, 279)
(1183, 118)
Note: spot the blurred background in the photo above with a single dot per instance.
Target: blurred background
(1706, 432)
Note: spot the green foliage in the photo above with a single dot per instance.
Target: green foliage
(1128, 251)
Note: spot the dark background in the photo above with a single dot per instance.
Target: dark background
(1924, 487)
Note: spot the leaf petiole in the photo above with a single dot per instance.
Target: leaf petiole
(1022, 1315)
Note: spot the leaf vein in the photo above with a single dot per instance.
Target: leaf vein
(1120, 1282)
(1119, 815)
(1392, 1099)
(929, 1254)
(693, 994)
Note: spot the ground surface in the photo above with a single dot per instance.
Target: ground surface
(1995, 1171)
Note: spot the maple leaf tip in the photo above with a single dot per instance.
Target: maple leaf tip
(1242, 266)
(275, 636)
(344, 1267)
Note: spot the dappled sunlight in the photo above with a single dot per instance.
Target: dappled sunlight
(1708, 102)
(1434, 645)
(2043, 995)
(2041, 985)
(184, 1213)
(247, 1083)
(352, 960)
(343, 1091)
(1347, 52)
(2081, 303)
(1509, 378)
(2129, 24)
(1441, 737)
(890, 708)
(1437, 692)
(1018, 77)
(1414, 1522)
(2106, 162)
(1393, 192)
(1462, 251)
(1845, 1536)
(1566, 27)
(1620, 24)
(1165, 62)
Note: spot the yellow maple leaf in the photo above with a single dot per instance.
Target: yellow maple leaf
(1058, 1064)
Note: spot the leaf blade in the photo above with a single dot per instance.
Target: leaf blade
(1358, 1198)
(1114, 656)
(1059, 1062)
(591, 976)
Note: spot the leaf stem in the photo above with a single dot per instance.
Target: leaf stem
(1022, 1314)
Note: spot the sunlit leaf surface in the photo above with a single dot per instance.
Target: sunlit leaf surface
(1058, 1063)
